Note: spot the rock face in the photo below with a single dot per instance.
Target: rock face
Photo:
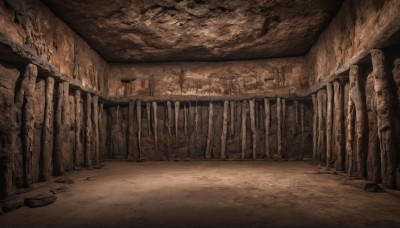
(176, 30)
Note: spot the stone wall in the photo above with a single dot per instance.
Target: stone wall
(209, 78)
(358, 27)
(40, 37)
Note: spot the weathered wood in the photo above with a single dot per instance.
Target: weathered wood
(296, 116)
(130, 136)
(47, 134)
(387, 119)
(155, 124)
(315, 125)
(329, 124)
(96, 143)
(28, 121)
(210, 130)
(185, 113)
(88, 131)
(102, 133)
(279, 127)
(139, 127)
(224, 130)
(349, 136)
(302, 130)
(59, 134)
(244, 128)
(283, 131)
(169, 123)
(176, 105)
(253, 127)
(267, 126)
(148, 112)
(232, 119)
(338, 134)
(357, 97)
(78, 153)
(196, 119)
(321, 149)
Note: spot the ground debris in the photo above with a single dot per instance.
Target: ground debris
(40, 200)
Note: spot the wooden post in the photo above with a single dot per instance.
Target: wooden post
(78, 123)
(244, 127)
(169, 119)
(224, 130)
(338, 125)
(58, 168)
(232, 119)
(148, 112)
(387, 119)
(283, 131)
(210, 130)
(296, 116)
(47, 134)
(96, 130)
(176, 117)
(267, 123)
(185, 113)
(155, 123)
(321, 125)
(139, 121)
(302, 130)
(315, 125)
(329, 125)
(130, 136)
(88, 131)
(28, 121)
(279, 128)
(253, 127)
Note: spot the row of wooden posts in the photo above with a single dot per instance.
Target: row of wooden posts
(341, 139)
(248, 107)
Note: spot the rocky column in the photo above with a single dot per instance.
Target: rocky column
(387, 122)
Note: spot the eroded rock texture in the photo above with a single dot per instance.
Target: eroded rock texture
(174, 30)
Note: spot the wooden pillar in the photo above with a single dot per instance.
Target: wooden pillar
(59, 148)
(315, 126)
(169, 123)
(338, 117)
(279, 127)
(130, 135)
(176, 105)
(88, 131)
(155, 123)
(244, 128)
(357, 101)
(139, 121)
(210, 130)
(296, 116)
(387, 119)
(329, 122)
(232, 119)
(267, 123)
(302, 131)
(253, 127)
(47, 134)
(96, 130)
(148, 112)
(78, 123)
(224, 130)
(28, 120)
(283, 131)
(321, 147)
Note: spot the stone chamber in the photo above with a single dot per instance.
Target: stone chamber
(199, 113)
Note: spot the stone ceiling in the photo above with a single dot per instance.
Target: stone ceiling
(196, 30)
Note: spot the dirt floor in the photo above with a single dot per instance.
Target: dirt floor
(208, 194)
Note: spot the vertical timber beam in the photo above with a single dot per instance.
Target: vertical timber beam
(329, 126)
(386, 119)
(279, 128)
(224, 130)
(315, 125)
(267, 123)
(244, 128)
(130, 135)
(338, 133)
(88, 130)
(96, 130)
(253, 127)
(47, 134)
(28, 120)
(210, 130)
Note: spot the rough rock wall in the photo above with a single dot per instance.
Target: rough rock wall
(190, 140)
(357, 27)
(208, 79)
(38, 128)
(34, 32)
(370, 135)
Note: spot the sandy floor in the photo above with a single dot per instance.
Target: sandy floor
(209, 194)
